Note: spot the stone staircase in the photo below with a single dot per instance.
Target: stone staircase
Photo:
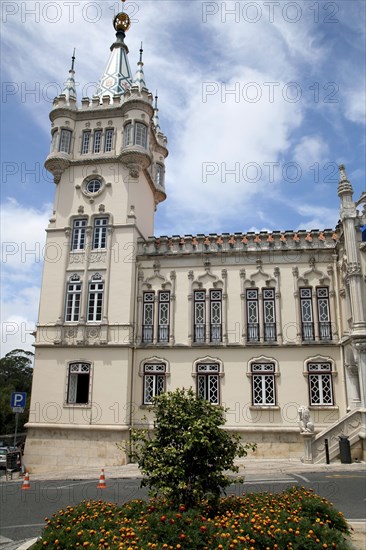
(353, 425)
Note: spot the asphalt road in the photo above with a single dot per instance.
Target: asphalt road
(23, 512)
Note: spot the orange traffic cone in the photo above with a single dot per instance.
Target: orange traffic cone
(101, 484)
(26, 484)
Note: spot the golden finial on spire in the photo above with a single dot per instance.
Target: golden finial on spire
(122, 22)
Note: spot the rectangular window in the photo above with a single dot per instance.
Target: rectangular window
(108, 140)
(320, 383)
(252, 315)
(54, 140)
(95, 301)
(160, 175)
(199, 316)
(140, 134)
(322, 297)
(148, 317)
(78, 383)
(100, 233)
(97, 141)
(208, 382)
(65, 141)
(85, 142)
(307, 322)
(78, 234)
(269, 315)
(127, 140)
(215, 316)
(163, 314)
(154, 381)
(263, 384)
(73, 299)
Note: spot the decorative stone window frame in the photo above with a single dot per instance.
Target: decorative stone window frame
(157, 361)
(89, 404)
(156, 284)
(261, 281)
(208, 359)
(315, 279)
(207, 282)
(84, 186)
(276, 374)
(333, 373)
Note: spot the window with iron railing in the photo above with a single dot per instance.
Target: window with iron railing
(148, 317)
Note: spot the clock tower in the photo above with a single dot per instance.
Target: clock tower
(107, 159)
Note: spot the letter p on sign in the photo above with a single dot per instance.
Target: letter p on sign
(18, 401)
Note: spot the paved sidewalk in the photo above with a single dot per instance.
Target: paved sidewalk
(247, 467)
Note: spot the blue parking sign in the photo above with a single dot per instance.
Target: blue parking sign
(18, 400)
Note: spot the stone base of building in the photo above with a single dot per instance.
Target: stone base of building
(54, 449)
(275, 445)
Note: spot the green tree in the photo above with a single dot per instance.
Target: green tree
(188, 455)
(15, 375)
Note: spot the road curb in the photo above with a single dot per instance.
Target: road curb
(357, 538)
(358, 535)
(28, 544)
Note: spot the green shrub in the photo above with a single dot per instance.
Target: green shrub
(186, 457)
(295, 519)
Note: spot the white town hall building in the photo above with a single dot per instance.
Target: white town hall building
(260, 323)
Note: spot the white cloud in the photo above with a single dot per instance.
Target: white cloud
(320, 217)
(309, 150)
(23, 237)
(23, 231)
(19, 311)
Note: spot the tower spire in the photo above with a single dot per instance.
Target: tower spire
(117, 77)
(139, 79)
(70, 87)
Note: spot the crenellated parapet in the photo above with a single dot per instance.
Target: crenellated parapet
(239, 242)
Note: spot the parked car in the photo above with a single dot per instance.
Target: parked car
(3, 453)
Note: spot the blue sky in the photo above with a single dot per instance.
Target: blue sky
(260, 102)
